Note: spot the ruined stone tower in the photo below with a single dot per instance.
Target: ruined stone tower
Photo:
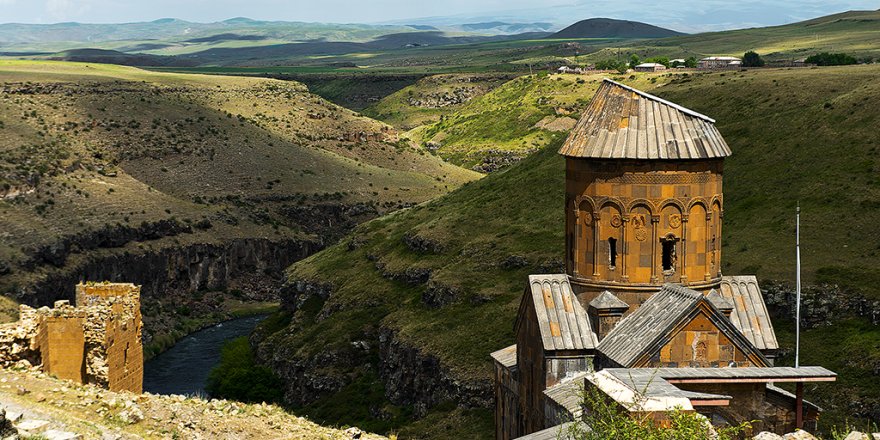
(96, 342)
(643, 197)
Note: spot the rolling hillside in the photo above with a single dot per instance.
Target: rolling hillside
(611, 28)
(502, 126)
(445, 278)
(182, 182)
(431, 98)
(854, 32)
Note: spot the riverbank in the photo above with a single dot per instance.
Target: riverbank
(184, 369)
(224, 310)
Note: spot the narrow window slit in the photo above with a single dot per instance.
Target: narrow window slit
(612, 245)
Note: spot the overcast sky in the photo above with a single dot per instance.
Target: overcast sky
(685, 13)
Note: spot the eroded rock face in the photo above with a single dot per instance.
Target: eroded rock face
(410, 377)
(189, 268)
(413, 378)
(821, 305)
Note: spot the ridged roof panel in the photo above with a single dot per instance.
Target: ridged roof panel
(750, 314)
(562, 320)
(624, 123)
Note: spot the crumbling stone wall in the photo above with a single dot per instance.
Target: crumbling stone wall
(98, 341)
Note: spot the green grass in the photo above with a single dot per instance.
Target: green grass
(850, 348)
(788, 145)
(855, 33)
(505, 118)
(430, 98)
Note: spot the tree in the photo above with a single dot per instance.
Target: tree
(612, 64)
(831, 59)
(752, 59)
(690, 62)
(634, 61)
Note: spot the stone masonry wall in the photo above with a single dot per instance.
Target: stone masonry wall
(98, 341)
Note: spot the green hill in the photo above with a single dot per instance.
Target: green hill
(611, 28)
(182, 181)
(854, 32)
(435, 288)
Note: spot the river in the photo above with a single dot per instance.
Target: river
(184, 368)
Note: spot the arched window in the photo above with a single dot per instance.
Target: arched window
(668, 256)
(612, 251)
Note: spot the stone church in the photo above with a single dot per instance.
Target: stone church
(643, 313)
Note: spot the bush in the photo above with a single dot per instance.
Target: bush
(611, 64)
(238, 377)
(605, 419)
(752, 59)
(831, 59)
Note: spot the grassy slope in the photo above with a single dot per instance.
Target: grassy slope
(99, 146)
(787, 145)
(430, 98)
(504, 119)
(854, 32)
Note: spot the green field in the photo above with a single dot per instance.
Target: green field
(796, 134)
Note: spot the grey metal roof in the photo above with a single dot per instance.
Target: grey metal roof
(646, 329)
(506, 356)
(558, 432)
(779, 374)
(776, 390)
(634, 334)
(720, 302)
(563, 321)
(606, 300)
(749, 311)
(625, 123)
(650, 383)
(567, 393)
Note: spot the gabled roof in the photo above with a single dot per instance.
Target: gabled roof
(749, 311)
(562, 320)
(625, 123)
(647, 329)
(606, 300)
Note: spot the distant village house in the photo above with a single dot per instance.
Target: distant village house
(719, 63)
(650, 67)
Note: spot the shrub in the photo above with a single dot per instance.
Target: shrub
(238, 377)
(752, 59)
(605, 419)
(831, 59)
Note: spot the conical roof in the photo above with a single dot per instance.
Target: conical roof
(624, 123)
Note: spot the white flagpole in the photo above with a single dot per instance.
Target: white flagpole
(797, 337)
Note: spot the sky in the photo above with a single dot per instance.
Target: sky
(687, 15)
